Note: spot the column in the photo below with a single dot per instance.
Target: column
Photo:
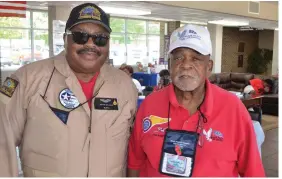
(162, 35)
(274, 70)
(56, 13)
(172, 26)
(51, 17)
(216, 38)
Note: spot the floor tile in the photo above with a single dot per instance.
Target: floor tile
(271, 173)
(271, 162)
(270, 153)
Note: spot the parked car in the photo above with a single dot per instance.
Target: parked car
(5, 56)
(23, 56)
(6, 61)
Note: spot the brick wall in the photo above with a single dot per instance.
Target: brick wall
(230, 41)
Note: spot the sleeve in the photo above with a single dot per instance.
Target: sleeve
(136, 155)
(249, 160)
(12, 121)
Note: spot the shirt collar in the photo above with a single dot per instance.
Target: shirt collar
(207, 105)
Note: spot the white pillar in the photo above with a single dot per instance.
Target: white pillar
(216, 38)
(56, 13)
(275, 53)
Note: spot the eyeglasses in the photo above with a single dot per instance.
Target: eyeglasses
(82, 38)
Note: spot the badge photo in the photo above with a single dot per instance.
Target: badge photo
(68, 99)
(178, 153)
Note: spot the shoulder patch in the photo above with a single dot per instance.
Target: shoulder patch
(9, 86)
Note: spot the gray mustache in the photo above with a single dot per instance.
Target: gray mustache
(86, 50)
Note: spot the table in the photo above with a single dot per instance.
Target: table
(146, 79)
(248, 100)
(252, 101)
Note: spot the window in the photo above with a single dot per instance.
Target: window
(118, 49)
(136, 49)
(23, 40)
(136, 26)
(117, 25)
(154, 28)
(134, 41)
(154, 49)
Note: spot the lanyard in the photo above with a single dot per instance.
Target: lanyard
(80, 104)
(201, 116)
(200, 122)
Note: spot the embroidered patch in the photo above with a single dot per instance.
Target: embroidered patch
(68, 99)
(9, 86)
(213, 135)
(90, 12)
(151, 121)
(106, 103)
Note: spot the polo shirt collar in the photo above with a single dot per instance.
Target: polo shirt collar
(207, 105)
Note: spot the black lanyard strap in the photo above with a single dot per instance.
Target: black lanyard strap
(201, 116)
(48, 83)
(80, 104)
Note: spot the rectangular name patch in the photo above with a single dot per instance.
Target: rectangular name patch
(106, 103)
(9, 86)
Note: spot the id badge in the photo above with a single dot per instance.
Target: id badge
(178, 153)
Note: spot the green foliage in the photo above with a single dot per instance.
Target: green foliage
(134, 27)
(10, 22)
(39, 20)
(258, 60)
(42, 37)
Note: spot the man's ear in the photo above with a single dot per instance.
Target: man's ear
(210, 65)
(65, 40)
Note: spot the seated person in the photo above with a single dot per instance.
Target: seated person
(164, 80)
(122, 66)
(258, 87)
(129, 70)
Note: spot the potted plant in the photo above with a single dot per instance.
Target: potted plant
(258, 60)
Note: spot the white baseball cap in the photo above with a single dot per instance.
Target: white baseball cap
(191, 36)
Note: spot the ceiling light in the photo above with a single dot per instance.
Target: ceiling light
(276, 28)
(124, 11)
(229, 23)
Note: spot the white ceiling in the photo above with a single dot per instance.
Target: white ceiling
(163, 12)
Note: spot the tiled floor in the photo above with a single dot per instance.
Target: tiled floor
(270, 153)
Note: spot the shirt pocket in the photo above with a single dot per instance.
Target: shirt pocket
(45, 141)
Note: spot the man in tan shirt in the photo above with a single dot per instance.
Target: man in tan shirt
(69, 114)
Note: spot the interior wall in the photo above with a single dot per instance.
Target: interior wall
(266, 38)
(230, 42)
(268, 10)
(275, 64)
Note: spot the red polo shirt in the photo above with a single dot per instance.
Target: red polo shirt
(229, 143)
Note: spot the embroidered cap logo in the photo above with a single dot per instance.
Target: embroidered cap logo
(90, 12)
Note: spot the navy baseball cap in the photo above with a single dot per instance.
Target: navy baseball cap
(88, 12)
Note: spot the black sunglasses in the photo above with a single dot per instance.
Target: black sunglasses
(82, 37)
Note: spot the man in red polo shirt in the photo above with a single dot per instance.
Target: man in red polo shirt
(192, 127)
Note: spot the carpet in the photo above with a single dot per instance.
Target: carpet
(269, 122)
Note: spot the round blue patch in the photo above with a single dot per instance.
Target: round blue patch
(146, 125)
(68, 99)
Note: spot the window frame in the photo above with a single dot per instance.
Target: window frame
(30, 28)
(146, 34)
